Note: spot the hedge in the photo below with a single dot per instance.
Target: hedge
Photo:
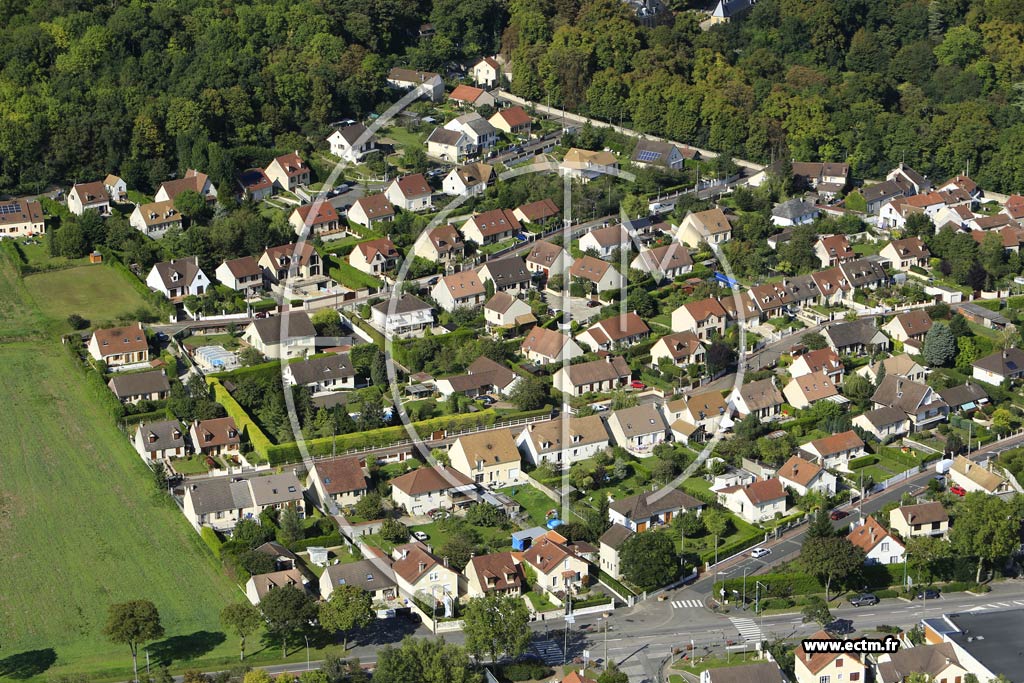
(270, 368)
(156, 415)
(211, 539)
(17, 256)
(778, 585)
(863, 461)
(96, 384)
(317, 541)
(260, 443)
(531, 670)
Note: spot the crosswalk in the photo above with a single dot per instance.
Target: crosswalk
(548, 650)
(747, 628)
(997, 605)
(680, 604)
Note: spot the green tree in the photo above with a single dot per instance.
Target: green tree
(649, 560)
(393, 531)
(133, 623)
(817, 611)
(830, 559)
(288, 612)
(423, 660)
(459, 549)
(348, 608)
(858, 389)
(243, 619)
(160, 478)
(939, 346)
(379, 370)
(291, 526)
(190, 203)
(814, 341)
(924, 555)
(496, 625)
(985, 528)
(370, 506)
(529, 393)
(613, 674)
(821, 525)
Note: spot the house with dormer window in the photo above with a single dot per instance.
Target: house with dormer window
(219, 436)
(118, 346)
(178, 278)
(160, 440)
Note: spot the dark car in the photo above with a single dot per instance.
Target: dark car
(838, 514)
(840, 627)
(864, 600)
(927, 594)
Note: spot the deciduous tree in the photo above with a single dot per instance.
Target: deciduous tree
(496, 625)
(243, 619)
(133, 623)
(348, 608)
(831, 559)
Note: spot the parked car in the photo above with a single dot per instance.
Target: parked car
(760, 552)
(637, 384)
(838, 514)
(957, 489)
(927, 594)
(864, 600)
(420, 536)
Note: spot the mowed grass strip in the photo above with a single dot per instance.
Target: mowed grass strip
(97, 293)
(19, 319)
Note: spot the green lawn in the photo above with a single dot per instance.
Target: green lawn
(38, 256)
(403, 137)
(19, 319)
(351, 277)
(495, 539)
(535, 503)
(192, 465)
(97, 293)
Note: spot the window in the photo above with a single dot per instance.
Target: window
(839, 662)
(855, 676)
(885, 547)
(823, 679)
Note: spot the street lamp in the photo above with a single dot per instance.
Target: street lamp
(745, 570)
(605, 617)
(307, 652)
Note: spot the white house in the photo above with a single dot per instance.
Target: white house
(116, 188)
(600, 274)
(159, 440)
(757, 502)
(836, 450)
(504, 310)
(288, 171)
(906, 253)
(564, 441)
(605, 241)
(117, 346)
(268, 336)
(711, 226)
(651, 509)
(597, 376)
(155, 219)
(352, 143)
(705, 318)
(469, 179)
(544, 346)
(487, 72)
(89, 197)
(178, 278)
(410, 193)
(402, 317)
(459, 289)
(999, 366)
(371, 209)
(879, 546)
(491, 226)
(241, 274)
(21, 218)
(374, 257)
(803, 475)
(440, 244)
(407, 79)
(638, 429)
(331, 372)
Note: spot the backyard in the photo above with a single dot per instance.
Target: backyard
(97, 293)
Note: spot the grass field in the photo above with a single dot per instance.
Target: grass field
(19, 319)
(97, 293)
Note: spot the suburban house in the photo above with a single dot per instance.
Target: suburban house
(512, 120)
(441, 244)
(666, 262)
(761, 398)
(155, 219)
(558, 568)
(331, 372)
(498, 573)
(697, 416)
(802, 476)
(681, 348)
(651, 509)
(508, 274)
(879, 546)
(217, 436)
(21, 218)
(937, 661)
(822, 667)
(835, 451)
(597, 376)
(278, 262)
(89, 197)
(831, 251)
(410, 193)
(625, 329)
(883, 423)
(761, 672)
(352, 142)
(538, 212)
(564, 441)
(705, 318)
(178, 278)
(458, 289)
(806, 390)
(547, 257)
(480, 134)
(241, 274)
(490, 227)
(919, 401)
(470, 179)
(965, 397)
(711, 226)
(796, 211)
(487, 72)
(288, 171)
(401, 317)
(823, 360)
(430, 488)
(449, 145)
(364, 574)
(422, 574)
(193, 181)
(467, 95)
(340, 480)
(638, 429)
(757, 502)
(160, 440)
(905, 254)
(605, 241)
(610, 544)
(483, 376)
(117, 346)
(857, 337)
(432, 85)
(599, 274)
(975, 477)
(662, 154)
(585, 165)
(323, 220)
(544, 346)
(257, 587)
(924, 519)
(254, 184)
(371, 209)
(909, 326)
(504, 311)
(116, 187)
(132, 387)
(220, 502)
(1000, 366)
(375, 257)
(901, 365)
(289, 335)
(490, 458)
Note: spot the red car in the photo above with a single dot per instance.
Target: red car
(637, 384)
(838, 514)
(958, 490)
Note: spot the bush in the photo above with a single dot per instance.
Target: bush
(77, 322)
(886, 593)
(527, 670)
(212, 540)
(317, 541)
(776, 603)
(886, 628)
(863, 461)
(394, 531)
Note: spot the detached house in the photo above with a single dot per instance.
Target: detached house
(666, 262)
(705, 318)
(559, 570)
(625, 329)
(288, 172)
(459, 289)
(323, 220)
(431, 84)
(422, 574)
(682, 348)
(410, 193)
(342, 480)
(155, 219)
(538, 212)
(487, 72)
(909, 327)
(661, 154)
(193, 180)
(857, 337)
(160, 440)
(599, 274)
(512, 120)
(697, 416)
(254, 184)
(564, 441)
(821, 667)
(21, 218)
(278, 262)
(610, 544)
(218, 436)
(490, 458)
(879, 546)
(761, 398)
(498, 573)
(795, 211)
(585, 165)
(490, 227)
(1000, 366)
(831, 251)
(803, 475)
(711, 226)
(116, 188)
(504, 311)
(371, 209)
(544, 346)
(375, 257)
(469, 179)
(638, 429)
(89, 197)
(467, 95)
(596, 376)
(364, 574)
(508, 274)
(431, 488)
(605, 241)
(118, 346)
(883, 423)
(479, 134)
(901, 365)
(178, 278)
(757, 502)
(441, 244)
(546, 257)
(835, 452)
(905, 254)
(818, 361)
(140, 386)
(270, 337)
(806, 390)
(974, 477)
(924, 519)
(403, 317)
(651, 509)
(332, 372)
(352, 143)
(938, 662)
(241, 274)
(919, 402)
(449, 145)
(220, 502)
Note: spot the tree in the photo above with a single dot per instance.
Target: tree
(379, 370)
(939, 346)
(190, 203)
(291, 526)
(243, 619)
(160, 477)
(613, 674)
(529, 393)
(858, 389)
(496, 624)
(831, 559)
(459, 549)
(821, 526)
(924, 553)
(690, 524)
(959, 327)
(133, 623)
(370, 506)
(814, 341)
(348, 608)
(817, 611)
(640, 301)
(484, 514)
(393, 531)
(422, 660)
(288, 612)
(719, 357)
(717, 522)
(985, 528)
(649, 560)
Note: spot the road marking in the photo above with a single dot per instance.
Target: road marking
(680, 604)
(747, 628)
(1018, 602)
(1003, 604)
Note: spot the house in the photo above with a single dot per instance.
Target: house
(652, 509)
(487, 72)
(498, 573)
(863, 272)
(1000, 366)
(140, 386)
(974, 477)
(724, 11)
(490, 227)
(823, 360)
(283, 558)
(288, 172)
(364, 574)
(806, 390)
(155, 219)
(508, 274)
(585, 165)
(321, 217)
(410, 193)
(711, 226)
(330, 372)
(796, 211)
(118, 346)
(192, 180)
(220, 502)
(430, 84)
(662, 154)
(625, 329)
(638, 429)
(761, 672)
(938, 662)
(430, 488)
(371, 209)
(758, 502)
(923, 519)
(218, 436)
(21, 218)
(449, 145)
(802, 476)
(257, 587)
(547, 257)
(402, 316)
(697, 416)
(965, 397)
(666, 262)
(467, 95)
(490, 457)
(610, 544)
(909, 326)
(340, 480)
(982, 316)
(289, 335)
(559, 570)
(458, 289)
(483, 376)
(598, 273)
(116, 188)
(834, 452)
(352, 143)
(597, 376)
(480, 134)
(254, 184)
(564, 441)
(160, 440)
(89, 197)
(905, 254)
(422, 574)
(705, 318)
(821, 667)
(883, 423)
(879, 546)
(241, 274)
(375, 257)
(831, 251)
(543, 346)
(506, 311)
(832, 286)
(178, 278)
(681, 348)
(512, 120)
(469, 179)
(878, 195)
(900, 365)
(761, 398)
(919, 401)
(859, 337)
(605, 241)
(538, 212)
(290, 260)
(441, 244)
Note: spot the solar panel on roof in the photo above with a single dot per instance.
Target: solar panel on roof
(7, 209)
(647, 155)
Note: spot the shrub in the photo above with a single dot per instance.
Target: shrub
(212, 540)
(527, 670)
(77, 322)
(394, 531)
(863, 461)
(886, 593)
(886, 628)
(776, 603)
(315, 541)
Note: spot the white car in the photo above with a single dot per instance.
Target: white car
(420, 536)
(760, 552)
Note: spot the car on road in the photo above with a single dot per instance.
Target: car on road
(420, 536)
(927, 594)
(958, 490)
(840, 627)
(161, 337)
(760, 552)
(864, 600)
(838, 514)
(637, 384)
